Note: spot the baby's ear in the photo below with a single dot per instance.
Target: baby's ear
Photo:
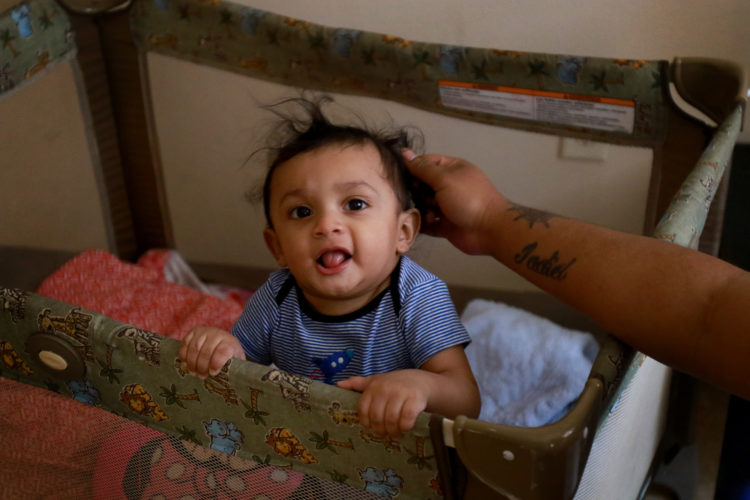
(408, 229)
(272, 242)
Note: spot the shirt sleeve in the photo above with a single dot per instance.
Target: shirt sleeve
(431, 323)
(255, 325)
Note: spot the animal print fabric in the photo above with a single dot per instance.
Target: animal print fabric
(34, 35)
(302, 54)
(248, 412)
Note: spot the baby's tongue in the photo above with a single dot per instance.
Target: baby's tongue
(333, 258)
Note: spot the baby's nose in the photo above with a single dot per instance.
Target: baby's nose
(328, 223)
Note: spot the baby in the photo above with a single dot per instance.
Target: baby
(347, 306)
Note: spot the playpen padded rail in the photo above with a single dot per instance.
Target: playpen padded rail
(247, 410)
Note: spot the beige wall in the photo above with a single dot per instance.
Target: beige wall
(49, 197)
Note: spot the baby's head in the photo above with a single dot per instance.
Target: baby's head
(338, 208)
(314, 130)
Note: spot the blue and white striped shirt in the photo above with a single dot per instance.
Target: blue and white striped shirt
(407, 324)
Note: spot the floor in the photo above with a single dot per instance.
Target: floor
(692, 473)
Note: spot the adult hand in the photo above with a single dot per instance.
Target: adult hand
(464, 204)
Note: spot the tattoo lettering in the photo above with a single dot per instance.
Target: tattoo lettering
(550, 267)
(532, 215)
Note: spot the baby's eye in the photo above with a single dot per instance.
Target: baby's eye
(356, 204)
(300, 212)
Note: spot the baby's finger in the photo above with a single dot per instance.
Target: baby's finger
(392, 417)
(409, 413)
(222, 352)
(363, 410)
(193, 352)
(376, 416)
(182, 353)
(358, 384)
(205, 357)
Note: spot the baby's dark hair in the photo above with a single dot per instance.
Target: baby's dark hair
(313, 130)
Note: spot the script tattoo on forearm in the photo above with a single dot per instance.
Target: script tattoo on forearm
(550, 267)
(532, 215)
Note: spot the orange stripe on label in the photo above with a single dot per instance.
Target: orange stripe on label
(538, 93)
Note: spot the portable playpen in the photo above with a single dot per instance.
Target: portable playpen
(253, 431)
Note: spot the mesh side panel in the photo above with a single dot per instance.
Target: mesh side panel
(625, 444)
(86, 452)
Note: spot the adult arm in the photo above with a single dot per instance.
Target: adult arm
(682, 307)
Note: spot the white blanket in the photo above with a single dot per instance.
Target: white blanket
(529, 369)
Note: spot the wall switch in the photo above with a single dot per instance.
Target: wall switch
(582, 150)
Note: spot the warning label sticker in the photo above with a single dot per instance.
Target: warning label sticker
(601, 113)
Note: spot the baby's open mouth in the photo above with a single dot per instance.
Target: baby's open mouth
(333, 258)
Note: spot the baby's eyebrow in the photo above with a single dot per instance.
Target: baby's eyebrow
(348, 186)
(294, 193)
(341, 187)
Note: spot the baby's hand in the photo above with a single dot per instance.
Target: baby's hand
(206, 349)
(390, 402)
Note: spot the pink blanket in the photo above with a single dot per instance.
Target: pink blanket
(52, 445)
(140, 294)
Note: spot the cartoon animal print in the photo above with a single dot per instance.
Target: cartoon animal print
(343, 40)
(667, 237)
(707, 183)
(255, 63)
(385, 484)
(284, 442)
(13, 301)
(568, 68)
(630, 62)
(42, 60)
(323, 441)
(74, 325)
(397, 41)
(84, 392)
(225, 436)
(253, 411)
(389, 443)
(166, 40)
(437, 486)
(450, 58)
(173, 397)
(6, 79)
(218, 384)
(141, 402)
(12, 360)
(333, 364)
(20, 16)
(293, 388)
(251, 18)
(145, 344)
(296, 23)
(341, 416)
(418, 457)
